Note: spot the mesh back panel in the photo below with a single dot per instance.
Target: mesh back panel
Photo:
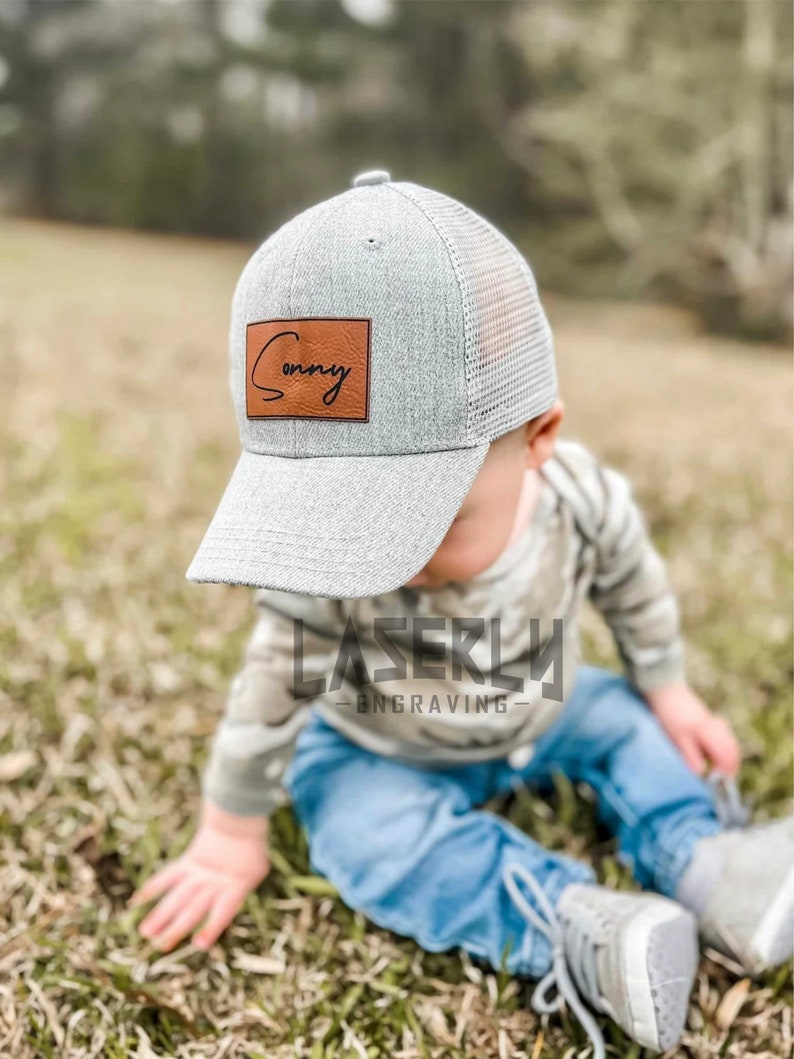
(510, 370)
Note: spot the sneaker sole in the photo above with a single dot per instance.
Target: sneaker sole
(773, 940)
(661, 958)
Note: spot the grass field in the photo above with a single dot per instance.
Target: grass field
(117, 437)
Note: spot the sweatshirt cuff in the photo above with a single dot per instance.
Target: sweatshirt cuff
(231, 786)
(239, 804)
(650, 675)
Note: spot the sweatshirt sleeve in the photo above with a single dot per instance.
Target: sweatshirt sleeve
(631, 587)
(255, 739)
(629, 584)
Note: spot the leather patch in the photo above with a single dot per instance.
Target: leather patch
(309, 368)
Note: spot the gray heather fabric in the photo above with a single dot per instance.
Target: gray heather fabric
(448, 318)
(460, 353)
(586, 538)
(343, 532)
(740, 884)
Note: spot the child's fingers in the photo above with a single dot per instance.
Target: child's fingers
(722, 748)
(171, 905)
(222, 913)
(732, 759)
(185, 920)
(157, 883)
(692, 754)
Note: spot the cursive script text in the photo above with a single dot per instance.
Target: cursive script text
(289, 369)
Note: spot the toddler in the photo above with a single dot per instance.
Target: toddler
(421, 544)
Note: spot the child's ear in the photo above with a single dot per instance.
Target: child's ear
(542, 435)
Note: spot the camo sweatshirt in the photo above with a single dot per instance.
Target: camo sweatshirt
(458, 673)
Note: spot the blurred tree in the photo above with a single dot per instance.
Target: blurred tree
(662, 140)
(402, 95)
(44, 43)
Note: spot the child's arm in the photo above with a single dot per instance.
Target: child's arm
(255, 740)
(632, 590)
(228, 855)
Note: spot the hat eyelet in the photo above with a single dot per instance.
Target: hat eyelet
(373, 242)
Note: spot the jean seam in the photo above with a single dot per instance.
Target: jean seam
(610, 793)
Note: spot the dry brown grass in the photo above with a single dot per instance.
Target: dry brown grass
(117, 437)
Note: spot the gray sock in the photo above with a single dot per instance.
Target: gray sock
(701, 876)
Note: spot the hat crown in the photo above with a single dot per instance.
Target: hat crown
(393, 333)
(458, 350)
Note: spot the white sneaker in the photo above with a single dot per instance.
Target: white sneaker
(630, 956)
(740, 885)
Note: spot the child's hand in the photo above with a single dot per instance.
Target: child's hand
(225, 861)
(700, 736)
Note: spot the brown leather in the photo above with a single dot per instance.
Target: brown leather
(310, 368)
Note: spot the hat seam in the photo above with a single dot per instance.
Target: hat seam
(250, 561)
(367, 455)
(460, 279)
(331, 206)
(266, 531)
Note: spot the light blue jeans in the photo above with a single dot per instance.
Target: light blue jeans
(406, 845)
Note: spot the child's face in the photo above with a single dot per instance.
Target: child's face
(485, 520)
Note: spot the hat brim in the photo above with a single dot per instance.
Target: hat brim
(336, 526)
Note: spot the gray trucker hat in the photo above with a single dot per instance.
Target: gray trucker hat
(379, 342)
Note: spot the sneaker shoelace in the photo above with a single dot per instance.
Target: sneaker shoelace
(582, 949)
(730, 808)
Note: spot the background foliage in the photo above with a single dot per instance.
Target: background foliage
(627, 147)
